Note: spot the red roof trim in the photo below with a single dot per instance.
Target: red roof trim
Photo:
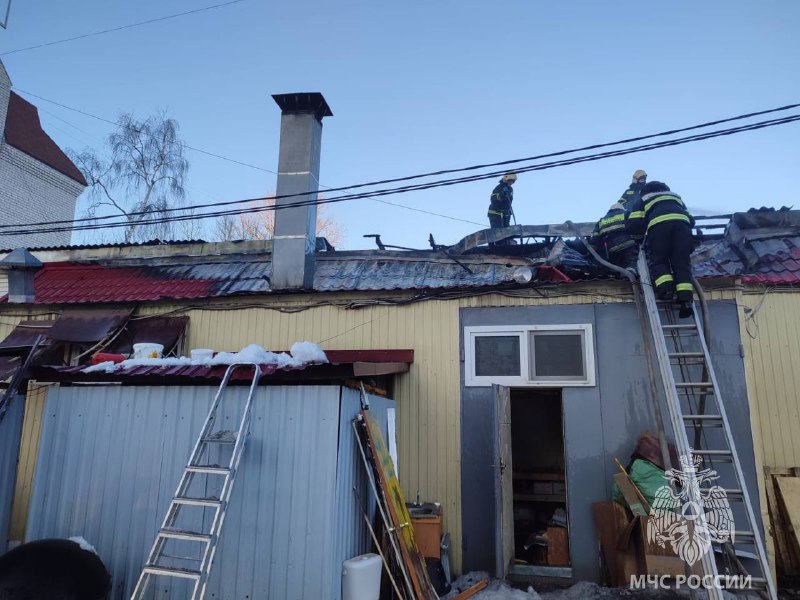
(24, 132)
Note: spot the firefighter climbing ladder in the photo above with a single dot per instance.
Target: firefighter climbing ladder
(695, 404)
(202, 542)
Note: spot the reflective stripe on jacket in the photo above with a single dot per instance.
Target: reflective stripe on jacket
(610, 230)
(653, 209)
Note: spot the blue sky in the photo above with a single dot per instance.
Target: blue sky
(419, 86)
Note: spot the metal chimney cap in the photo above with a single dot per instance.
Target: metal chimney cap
(303, 102)
(20, 258)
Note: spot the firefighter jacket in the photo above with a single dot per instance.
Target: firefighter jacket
(610, 231)
(502, 197)
(653, 209)
(631, 195)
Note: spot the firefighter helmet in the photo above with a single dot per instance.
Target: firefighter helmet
(510, 177)
(654, 186)
(638, 175)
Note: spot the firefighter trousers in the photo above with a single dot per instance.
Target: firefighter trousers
(669, 245)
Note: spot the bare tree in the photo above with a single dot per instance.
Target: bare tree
(142, 179)
(261, 225)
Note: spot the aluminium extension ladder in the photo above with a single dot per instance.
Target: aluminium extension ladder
(694, 403)
(201, 541)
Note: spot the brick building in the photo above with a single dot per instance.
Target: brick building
(38, 182)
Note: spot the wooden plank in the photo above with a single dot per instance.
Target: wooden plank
(540, 476)
(783, 557)
(633, 496)
(471, 591)
(789, 492)
(541, 497)
(401, 520)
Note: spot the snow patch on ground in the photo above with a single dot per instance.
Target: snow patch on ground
(583, 590)
(302, 353)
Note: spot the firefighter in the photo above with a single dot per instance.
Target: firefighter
(500, 202)
(633, 193)
(662, 217)
(610, 234)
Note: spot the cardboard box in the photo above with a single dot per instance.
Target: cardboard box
(625, 549)
(557, 547)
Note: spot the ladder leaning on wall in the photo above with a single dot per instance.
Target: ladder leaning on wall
(695, 404)
(200, 541)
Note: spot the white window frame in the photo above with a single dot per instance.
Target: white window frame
(524, 379)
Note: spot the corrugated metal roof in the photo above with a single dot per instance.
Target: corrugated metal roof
(758, 250)
(115, 245)
(66, 283)
(343, 363)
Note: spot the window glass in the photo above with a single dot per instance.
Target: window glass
(497, 355)
(557, 354)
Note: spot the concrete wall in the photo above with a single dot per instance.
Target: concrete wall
(600, 422)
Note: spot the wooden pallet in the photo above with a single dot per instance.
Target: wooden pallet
(783, 502)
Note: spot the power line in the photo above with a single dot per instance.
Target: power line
(232, 160)
(104, 120)
(411, 177)
(130, 26)
(404, 189)
(493, 164)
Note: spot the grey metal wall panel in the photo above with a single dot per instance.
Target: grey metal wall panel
(352, 537)
(110, 458)
(10, 429)
(600, 422)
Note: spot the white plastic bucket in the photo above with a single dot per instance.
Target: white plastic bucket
(202, 354)
(361, 578)
(147, 350)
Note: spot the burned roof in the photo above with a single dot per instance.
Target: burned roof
(761, 247)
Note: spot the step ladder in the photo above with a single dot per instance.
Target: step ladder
(200, 542)
(695, 405)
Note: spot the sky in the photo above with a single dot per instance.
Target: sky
(420, 86)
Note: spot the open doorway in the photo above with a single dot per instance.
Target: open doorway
(541, 537)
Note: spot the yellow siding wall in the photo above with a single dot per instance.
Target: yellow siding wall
(771, 338)
(772, 347)
(28, 451)
(428, 397)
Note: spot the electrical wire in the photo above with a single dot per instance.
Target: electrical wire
(130, 26)
(110, 122)
(403, 189)
(485, 165)
(235, 161)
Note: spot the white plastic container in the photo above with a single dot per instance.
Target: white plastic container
(147, 350)
(361, 578)
(202, 354)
